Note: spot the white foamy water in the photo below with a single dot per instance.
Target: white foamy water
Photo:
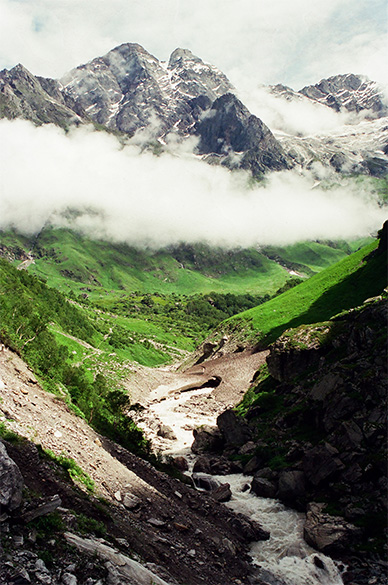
(181, 422)
(286, 555)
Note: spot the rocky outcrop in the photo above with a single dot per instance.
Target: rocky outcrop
(206, 439)
(228, 128)
(325, 401)
(120, 567)
(11, 482)
(263, 487)
(328, 533)
(289, 358)
(234, 430)
(23, 96)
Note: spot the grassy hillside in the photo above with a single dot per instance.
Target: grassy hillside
(344, 285)
(97, 269)
(81, 353)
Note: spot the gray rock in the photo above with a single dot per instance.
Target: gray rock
(349, 91)
(263, 487)
(157, 523)
(292, 486)
(349, 436)
(11, 481)
(25, 97)
(130, 86)
(234, 429)
(222, 466)
(43, 507)
(248, 448)
(166, 432)
(206, 439)
(328, 533)
(21, 577)
(202, 465)
(248, 530)
(325, 386)
(285, 362)
(266, 473)
(69, 579)
(205, 482)
(223, 493)
(252, 465)
(230, 127)
(127, 570)
(321, 463)
(131, 502)
(181, 463)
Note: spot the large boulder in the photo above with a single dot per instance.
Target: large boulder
(223, 493)
(264, 488)
(321, 463)
(11, 481)
(292, 487)
(206, 439)
(234, 429)
(205, 482)
(328, 533)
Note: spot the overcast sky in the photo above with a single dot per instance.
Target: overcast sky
(296, 42)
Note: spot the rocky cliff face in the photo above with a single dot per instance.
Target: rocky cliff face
(231, 132)
(22, 95)
(355, 148)
(352, 149)
(318, 427)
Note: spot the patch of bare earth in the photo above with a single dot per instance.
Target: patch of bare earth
(161, 520)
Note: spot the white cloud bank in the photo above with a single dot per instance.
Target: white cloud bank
(298, 117)
(124, 195)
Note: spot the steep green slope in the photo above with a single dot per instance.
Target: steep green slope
(80, 353)
(341, 286)
(312, 257)
(71, 262)
(95, 268)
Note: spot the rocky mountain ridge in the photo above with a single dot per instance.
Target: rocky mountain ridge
(129, 90)
(349, 92)
(354, 93)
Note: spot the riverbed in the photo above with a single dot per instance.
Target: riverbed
(285, 556)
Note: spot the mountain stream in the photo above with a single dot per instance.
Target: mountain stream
(285, 556)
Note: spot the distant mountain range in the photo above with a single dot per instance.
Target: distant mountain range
(129, 89)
